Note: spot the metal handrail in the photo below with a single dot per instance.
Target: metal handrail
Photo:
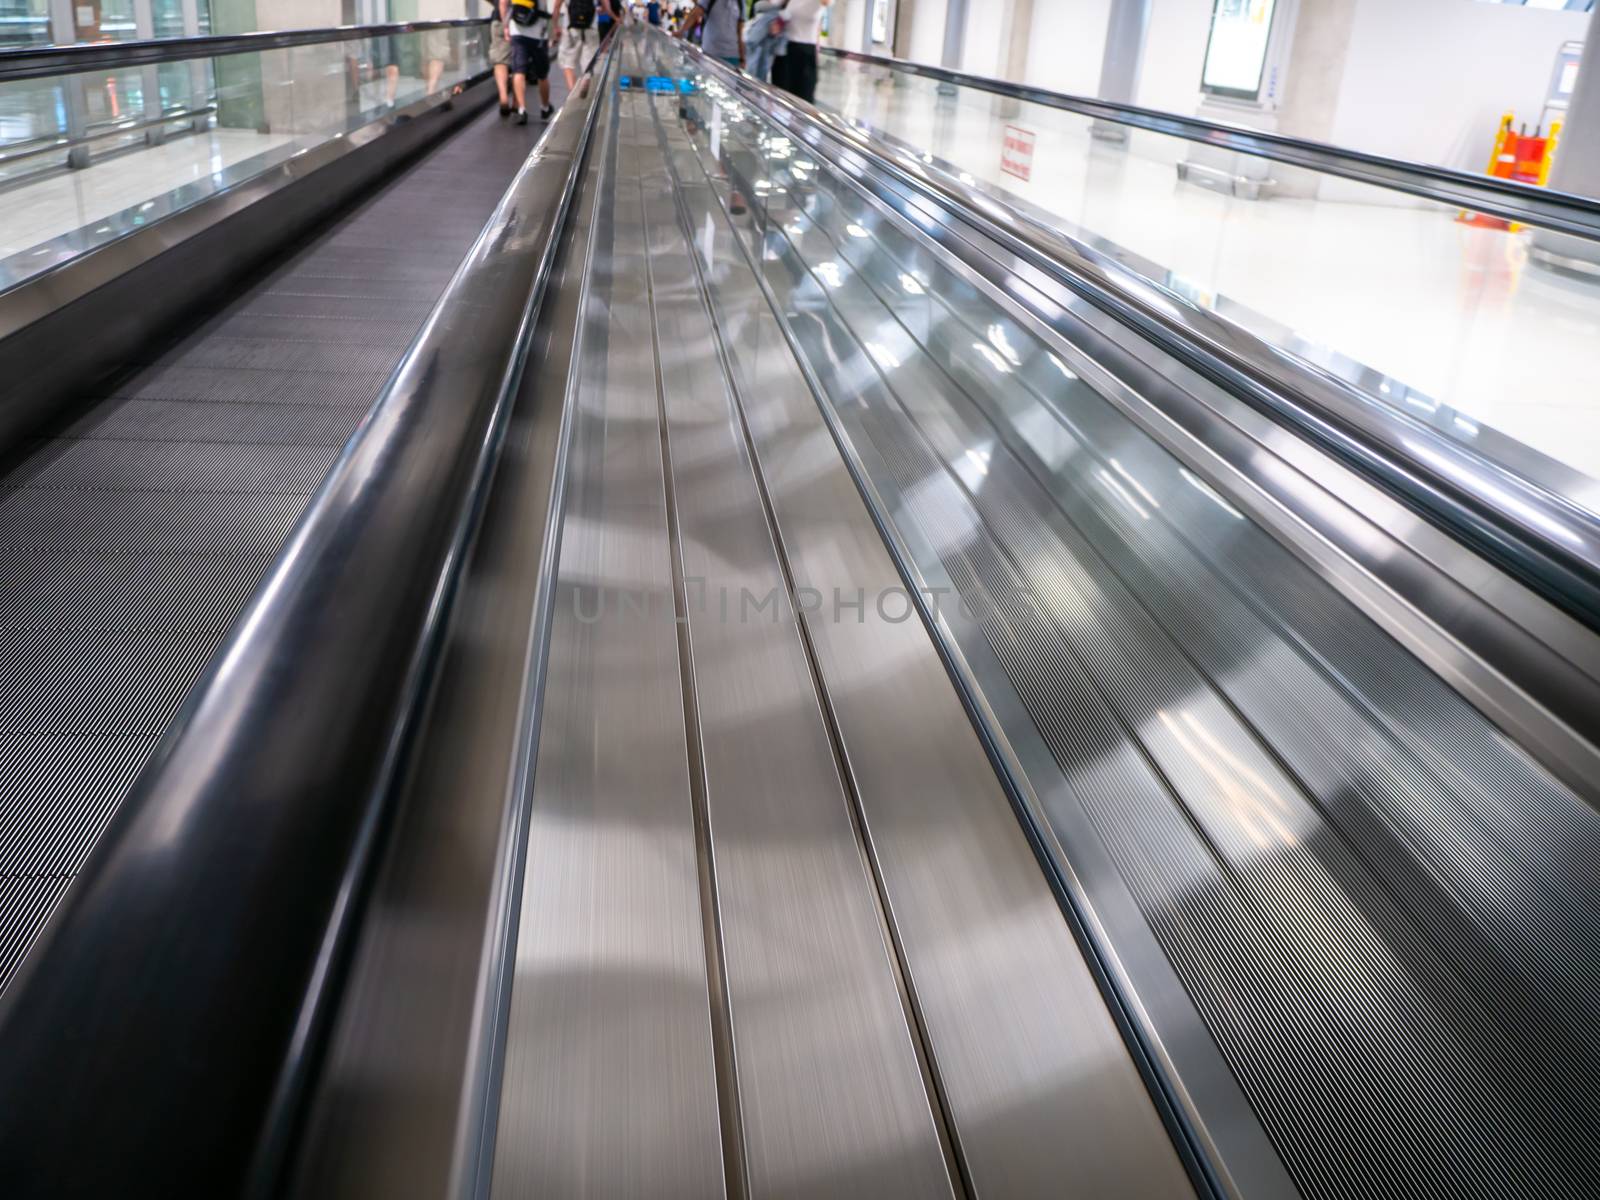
(1563, 211)
(174, 1010)
(39, 62)
(1548, 541)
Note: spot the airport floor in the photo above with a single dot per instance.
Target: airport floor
(63, 201)
(57, 202)
(1458, 313)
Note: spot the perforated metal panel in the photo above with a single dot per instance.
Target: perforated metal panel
(130, 542)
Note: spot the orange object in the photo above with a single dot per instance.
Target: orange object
(1516, 156)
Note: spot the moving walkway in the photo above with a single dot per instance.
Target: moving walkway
(803, 685)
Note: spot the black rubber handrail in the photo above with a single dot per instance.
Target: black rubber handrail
(161, 1035)
(1563, 211)
(39, 62)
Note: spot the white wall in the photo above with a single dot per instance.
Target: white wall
(924, 40)
(1067, 44)
(1424, 79)
(846, 19)
(982, 52)
(1428, 79)
(1169, 78)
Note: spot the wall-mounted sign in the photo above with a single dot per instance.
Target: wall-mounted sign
(880, 21)
(1236, 52)
(1564, 78)
(1016, 152)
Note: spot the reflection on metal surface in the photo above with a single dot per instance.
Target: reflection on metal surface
(609, 1078)
(906, 1009)
(1285, 794)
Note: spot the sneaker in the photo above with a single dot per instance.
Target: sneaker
(505, 111)
(522, 116)
(547, 112)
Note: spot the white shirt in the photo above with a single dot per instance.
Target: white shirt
(805, 21)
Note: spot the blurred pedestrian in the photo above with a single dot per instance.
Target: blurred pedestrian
(721, 25)
(579, 39)
(765, 38)
(795, 70)
(500, 54)
(436, 45)
(530, 54)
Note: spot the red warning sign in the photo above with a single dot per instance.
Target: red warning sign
(1016, 152)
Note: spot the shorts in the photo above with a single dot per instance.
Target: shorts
(435, 45)
(383, 52)
(530, 57)
(578, 47)
(499, 48)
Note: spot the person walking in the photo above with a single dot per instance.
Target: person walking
(723, 33)
(795, 70)
(529, 29)
(500, 55)
(579, 37)
(436, 43)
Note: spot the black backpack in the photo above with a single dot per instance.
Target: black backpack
(580, 14)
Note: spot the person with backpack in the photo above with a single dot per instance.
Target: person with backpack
(795, 70)
(721, 25)
(579, 37)
(500, 54)
(529, 27)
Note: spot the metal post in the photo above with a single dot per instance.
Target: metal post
(64, 31)
(199, 69)
(955, 34)
(1119, 66)
(144, 27)
(1577, 164)
(1015, 42)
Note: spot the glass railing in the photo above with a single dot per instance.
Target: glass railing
(89, 155)
(1441, 314)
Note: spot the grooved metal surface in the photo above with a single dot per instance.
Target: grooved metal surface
(609, 1088)
(130, 542)
(869, 990)
(1381, 906)
(1012, 1018)
(830, 1094)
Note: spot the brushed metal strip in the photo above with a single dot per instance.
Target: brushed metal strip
(1529, 664)
(832, 1095)
(981, 470)
(609, 1086)
(1015, 1021)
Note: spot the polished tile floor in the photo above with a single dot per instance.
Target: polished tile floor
(1457, 313)
(64, 201)
(58, 202)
